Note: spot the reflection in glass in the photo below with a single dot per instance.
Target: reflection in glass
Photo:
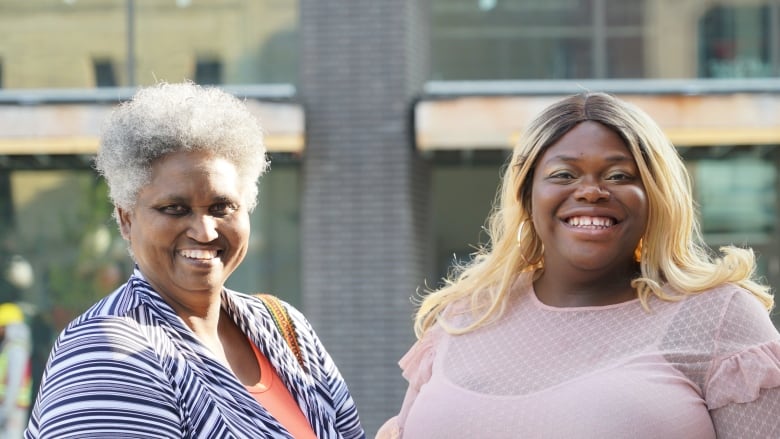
(603, 39)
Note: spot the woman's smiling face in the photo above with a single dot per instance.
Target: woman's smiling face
(588, 203)
(189, 228)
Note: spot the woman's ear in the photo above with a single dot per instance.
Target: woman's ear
(125, 221)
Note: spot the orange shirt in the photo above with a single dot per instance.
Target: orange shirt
(272, 394)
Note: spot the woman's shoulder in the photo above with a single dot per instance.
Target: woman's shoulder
(127, 315)
(716, 298)
(268, 309)
(732, 314)
(118, 303)
(267, 303)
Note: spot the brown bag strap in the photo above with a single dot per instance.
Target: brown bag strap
(284, 324)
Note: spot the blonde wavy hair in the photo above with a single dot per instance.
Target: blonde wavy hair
(671, 250)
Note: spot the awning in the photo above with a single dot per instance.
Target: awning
(456, 118)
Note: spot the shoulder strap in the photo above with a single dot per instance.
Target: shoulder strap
(284, 324)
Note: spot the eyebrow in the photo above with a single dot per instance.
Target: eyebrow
(171, 198)
(617, 158)
(177, 199)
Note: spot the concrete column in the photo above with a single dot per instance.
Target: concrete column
(365, 196)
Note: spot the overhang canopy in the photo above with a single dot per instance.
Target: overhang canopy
(69, 122)
(452, 118)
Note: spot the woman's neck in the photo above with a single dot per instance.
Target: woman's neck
(566, 289)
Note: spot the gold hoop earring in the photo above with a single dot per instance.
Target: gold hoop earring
(520, 238)
(638, 251)
(520, 231)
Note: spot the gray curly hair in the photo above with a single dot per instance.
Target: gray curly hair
(167, 118)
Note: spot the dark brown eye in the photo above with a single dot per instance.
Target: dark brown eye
(174, 209)
(223, 209)
(620, 176)
(562, 175)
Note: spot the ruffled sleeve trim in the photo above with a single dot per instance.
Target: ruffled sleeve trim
(417, 364)
(389, 430)
(739, 378)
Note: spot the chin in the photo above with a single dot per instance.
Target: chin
(589, 265)
(204, 284)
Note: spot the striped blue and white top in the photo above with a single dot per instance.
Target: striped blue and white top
(130, 368)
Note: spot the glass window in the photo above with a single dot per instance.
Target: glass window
(61, 251)
(208, 71)
(737, 199)
(511, 39)
(624, 12)
(47, 43)
(735, 42)
(59, 248)
(462, 196)
(272, 264)
(105, 75)
(624, 58)
(60, 222)
(594, 39)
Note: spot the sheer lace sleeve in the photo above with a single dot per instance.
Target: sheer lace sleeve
(756, 419)
(741, 377)
(417, 364)
(743, 388)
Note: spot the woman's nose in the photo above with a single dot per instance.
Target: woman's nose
(203, 228)
(591, 192)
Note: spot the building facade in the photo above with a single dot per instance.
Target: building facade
(387, 121)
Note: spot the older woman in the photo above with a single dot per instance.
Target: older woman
(172, 353)
(597, 311)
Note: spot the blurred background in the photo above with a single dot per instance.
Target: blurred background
(388, 123)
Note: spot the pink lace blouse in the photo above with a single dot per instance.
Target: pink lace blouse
(704, 367)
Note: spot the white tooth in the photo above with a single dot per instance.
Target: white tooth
(199, 254)
(585, 221)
